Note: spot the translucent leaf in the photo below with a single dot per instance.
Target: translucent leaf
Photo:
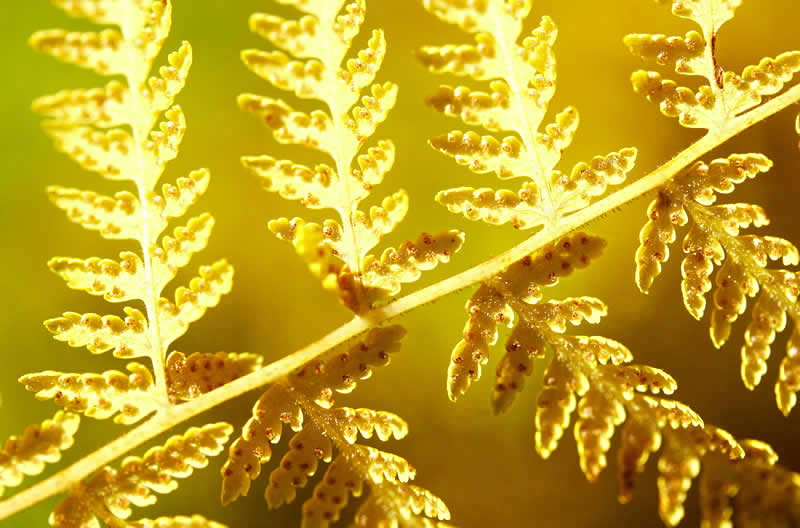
(128, 398)
(383, 466)
(98, 11)
(102, 52)
(191, 303)
(709, 14)
(556, 314)
(734, 285)
(38, 445)
(114, 218)
(478, 61)
(406, 263)
(163, 144)
(373, 166)
(685, 55)
(199, 373)
(702, 252)
(115, 281)
(313, 130)
(331, 495)
(175, 200)
(361, 71)
(305, 450)
(598, 416)
(669, 412)
(342, 370)
(134, 483)
(305, 78)
(469, 15)
(170, 80)
(521, 209)
(589, 180)
(274, 408)
(702, 181)
(103, 107)
(370, 228)
(491, 110)
(307, 239)
(486, 309)
(314, 188)
(678, 466)
(655, 237)
(692, 110)
(107, 153)
(789, 378)
(375, 108)
(366, 422)
(640, 378)
(524, 344)
(555, 405)
(127, 338)
(768, 317)
(176, 251)
(638, 441)
(525, 278)
(297, 37)
(482, 154)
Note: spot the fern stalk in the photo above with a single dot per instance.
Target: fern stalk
(172, 416)
(139, 133)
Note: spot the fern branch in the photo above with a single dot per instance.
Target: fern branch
(173, 416)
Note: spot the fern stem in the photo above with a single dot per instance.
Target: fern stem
(528, 129)
(135, 86)
(172, 416)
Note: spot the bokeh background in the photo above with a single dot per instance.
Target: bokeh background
(485, 467)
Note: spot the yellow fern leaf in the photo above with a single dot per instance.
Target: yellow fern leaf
(103, 107)
(341, 371)
(714, 238)
(127, 397)
(199, 373)
(127, 338)
(191, 302)
(305, 449)
(331, 495)
(726, 94)
(489, 305)
(366, 422)
(522, 76)
(38, 445)
(114, 131)
(337, 252)
(274, 408)
(114, 218)
(112, 492)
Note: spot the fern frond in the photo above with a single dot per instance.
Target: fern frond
(199, 373)
(714, 239)
(110, 493)
(489, 306)
(127, 397)
(38, 445)
(724, 94)
(522, 76)
(338, 251)
(304, 401)
(113, 131)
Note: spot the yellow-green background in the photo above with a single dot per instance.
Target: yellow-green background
(485, 467)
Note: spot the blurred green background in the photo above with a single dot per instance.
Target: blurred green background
(485, 467)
